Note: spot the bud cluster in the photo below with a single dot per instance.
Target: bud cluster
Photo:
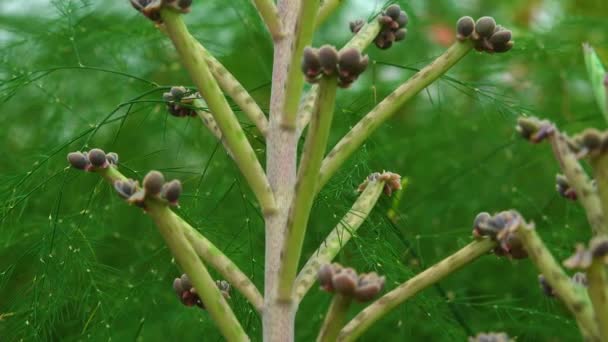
(583, 257)
(154, 186)
(92, 160)
(151, 8)
(485, 34)
(590, 143)
(362, 287)
(179, 101)
(392, 21)
(187, 294)
(578, 279)
(326, 61)
(392, 182)
(534, 129)
(500, 228)
(491, 337)
(563, 187)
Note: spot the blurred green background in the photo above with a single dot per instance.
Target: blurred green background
(76, 263)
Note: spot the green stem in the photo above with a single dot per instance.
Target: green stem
(213, 300)
(243, 153)
(303, 31)
(575, 299)
(392, 299)
(231, 86)
(360, 41)
(270, 15)
(385, 109)
(598, 293)
(338, 237)
(219, 261)
(210, 123)
(581, 183)
(334, 320)
(325, 10)
(314, 150)
(600, 171)
(204, 248)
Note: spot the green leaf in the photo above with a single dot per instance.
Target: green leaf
(597, 76)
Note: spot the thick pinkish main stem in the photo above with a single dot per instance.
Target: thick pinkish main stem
(279, 316)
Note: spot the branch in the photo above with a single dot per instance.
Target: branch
(314, 150)
(168, 224)
(338, 237)
(575, 300)
(360, 323)
(210, 123)
(325, 10)
(303, 33)
(270, 16)
(231, 86)
(598, 294)
(334, 319)
(385, 109)
(209, 252)
(364, 37)
(580, 182)
(197, 67)
(228, 269)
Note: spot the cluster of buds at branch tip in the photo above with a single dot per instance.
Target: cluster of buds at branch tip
(583, 257)
(154, 187)
(578, 279)
(180, 101)
(393, 22)
(326, 61)
(501, 228)
(534, 130)
(151, 8)
(485, 34)
(392, 182)
(345, 281)
(590, 143)
(187, 294)
(563, 187)
(491, 337)
(93, 160)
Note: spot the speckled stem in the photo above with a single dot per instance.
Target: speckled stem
(303, 30)
(270, 15)
(385, 109)
(299, 212)
(210, 123)
(600, 172)
(575, 299)
(228, 269)
(361, 322)
(580, 182)
(243, 153)
(334, 319)
(213, 300)
(325, 10)
(360, 41)
(210, 253)
(598, 294)
(171, 227)
(231, 86)
(338, 237)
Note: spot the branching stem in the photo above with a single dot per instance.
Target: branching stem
(368, 124)
(198, 69)
(270, 15)
(598, 294)
(299, 212)
(338, 237)
(334, 320)
(360, 323)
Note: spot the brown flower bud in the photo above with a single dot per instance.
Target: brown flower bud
(171, 191)
(125, 188)
(311, 66)
(368, 287)
(153, 183)
(400, 34)
(464, 27)
(112, 158)
(485, 26)
(328, 58)
(345, 281)
(355, 26)
(393, 11)
(97, 158)
(78, 160)
(500, 37)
